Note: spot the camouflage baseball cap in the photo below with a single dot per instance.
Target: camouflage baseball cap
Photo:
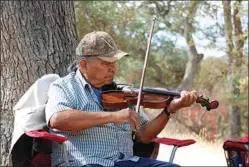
(99, 44)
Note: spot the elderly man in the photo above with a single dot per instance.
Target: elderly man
(97, 137)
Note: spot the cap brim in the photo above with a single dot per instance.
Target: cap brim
(118, 55)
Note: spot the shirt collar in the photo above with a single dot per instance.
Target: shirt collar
(82, 79)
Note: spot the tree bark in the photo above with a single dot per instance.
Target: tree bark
(37, 38)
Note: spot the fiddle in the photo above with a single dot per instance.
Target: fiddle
(155, 98)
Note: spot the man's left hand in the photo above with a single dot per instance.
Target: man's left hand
(186, 100)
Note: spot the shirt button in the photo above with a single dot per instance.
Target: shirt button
(121, 156)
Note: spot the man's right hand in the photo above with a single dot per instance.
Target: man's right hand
(129, 116)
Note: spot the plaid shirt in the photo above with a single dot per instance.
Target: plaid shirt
(101, 145)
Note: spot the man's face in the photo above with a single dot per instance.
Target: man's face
(98, 72)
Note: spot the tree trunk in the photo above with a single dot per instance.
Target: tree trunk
(228, 33)
(235, 53)
(37, 38)
(195, 58)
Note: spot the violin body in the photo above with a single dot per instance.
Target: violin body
(121, 100)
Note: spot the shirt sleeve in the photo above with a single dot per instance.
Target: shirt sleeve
(144, 118)
(58, 100)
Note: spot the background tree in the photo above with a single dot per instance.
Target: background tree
(37, 38)
(182, 23)
(235, 40)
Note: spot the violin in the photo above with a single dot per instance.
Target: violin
(123, 96)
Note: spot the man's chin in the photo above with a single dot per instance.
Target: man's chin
(108, 82)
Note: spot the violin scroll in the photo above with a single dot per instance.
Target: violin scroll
(205, 103)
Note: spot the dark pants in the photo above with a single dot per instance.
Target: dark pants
(143, 162)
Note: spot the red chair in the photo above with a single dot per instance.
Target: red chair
(34, 148)
(236, 152)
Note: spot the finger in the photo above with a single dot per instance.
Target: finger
(184, 97)
(131, 123)
(192, 99)
(179, 101)
(136, 118)
(193, 96)
(133, 119)
(134, 114)
(194, 93)
(183, 93)
(138, 122)
(135, 123)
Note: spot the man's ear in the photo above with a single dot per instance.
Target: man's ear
(83, 65)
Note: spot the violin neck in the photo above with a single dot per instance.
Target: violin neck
(113, 87)
(161, 92)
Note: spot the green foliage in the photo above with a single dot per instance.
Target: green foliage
(130, 29)
(238, 79)
(216, 84)
(212, 75)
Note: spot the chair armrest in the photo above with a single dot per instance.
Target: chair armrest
(174, 142)
(45, 135)
(235, 145)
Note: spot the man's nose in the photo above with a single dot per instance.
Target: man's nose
(112, 68)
